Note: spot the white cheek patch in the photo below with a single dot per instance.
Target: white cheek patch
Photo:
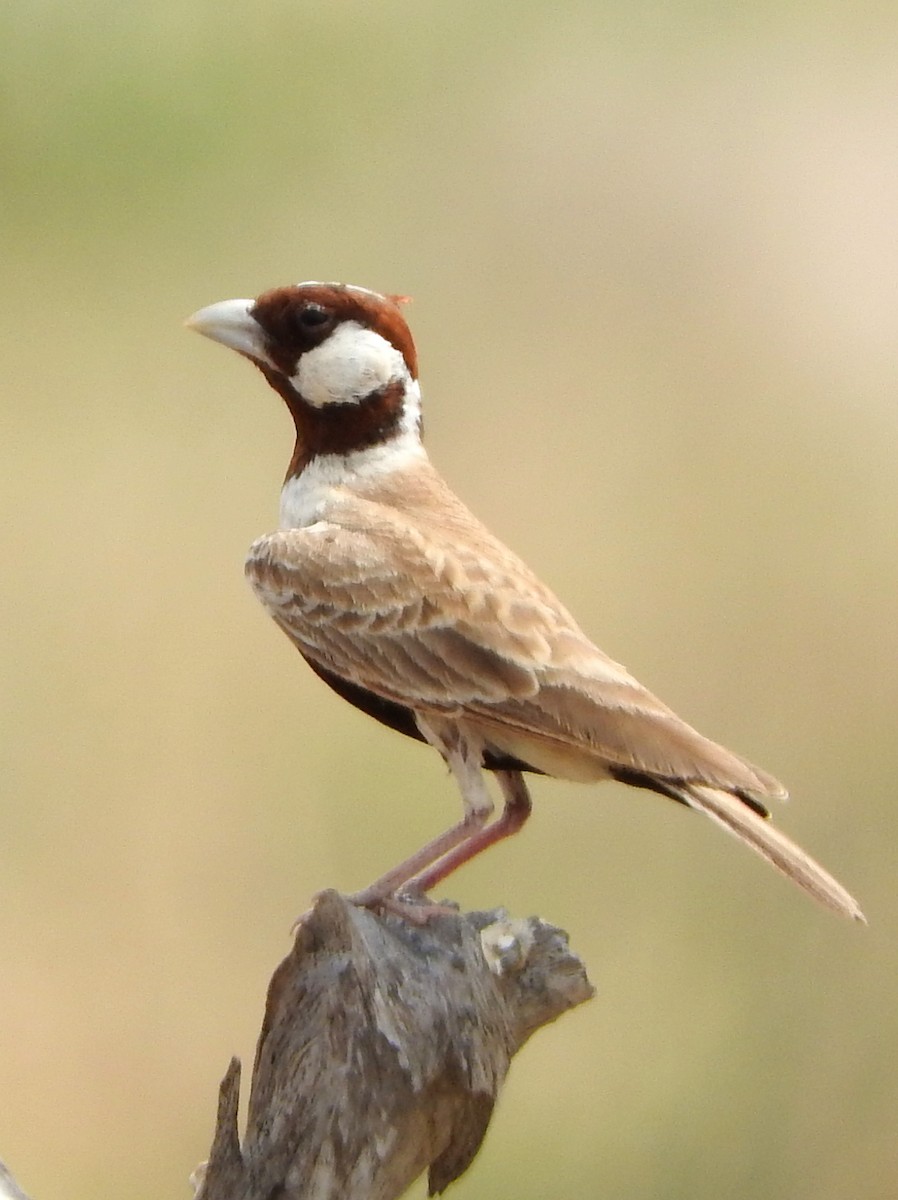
(348, 366)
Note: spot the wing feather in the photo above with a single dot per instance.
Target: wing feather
(419, 615)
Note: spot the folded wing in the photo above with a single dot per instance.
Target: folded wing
(439, 628)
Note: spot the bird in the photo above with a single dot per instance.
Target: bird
(409, 608)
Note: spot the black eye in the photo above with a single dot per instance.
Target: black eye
(312, 316)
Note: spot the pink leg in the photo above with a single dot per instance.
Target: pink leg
(517, 809)
(438, 849)
(462, 755)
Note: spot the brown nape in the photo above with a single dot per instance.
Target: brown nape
(339, 428)
(279, 313)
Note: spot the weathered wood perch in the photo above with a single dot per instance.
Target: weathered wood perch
(382, 1052)
(9, 1189)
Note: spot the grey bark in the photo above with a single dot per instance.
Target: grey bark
(383, 1049)
(9, 1189)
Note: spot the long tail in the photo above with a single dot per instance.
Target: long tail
(765, 839)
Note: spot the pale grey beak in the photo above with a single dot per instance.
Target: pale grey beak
(231, 323)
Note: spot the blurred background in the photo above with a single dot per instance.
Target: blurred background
(653, 253)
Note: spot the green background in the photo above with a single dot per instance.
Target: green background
(653, 254)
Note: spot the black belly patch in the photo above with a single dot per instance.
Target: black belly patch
(402, 719)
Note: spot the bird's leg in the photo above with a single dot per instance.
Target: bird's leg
(517, 809)
(463, 759)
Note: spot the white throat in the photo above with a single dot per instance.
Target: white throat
(308, 497)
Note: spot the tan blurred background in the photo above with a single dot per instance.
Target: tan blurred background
(653, 253)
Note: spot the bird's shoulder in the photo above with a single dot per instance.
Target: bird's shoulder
(408, 554)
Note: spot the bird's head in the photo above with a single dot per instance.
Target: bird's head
(342, 358)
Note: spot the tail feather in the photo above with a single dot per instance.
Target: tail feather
(732, 814)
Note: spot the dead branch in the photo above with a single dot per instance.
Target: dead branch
(9, 1189)
(382, 1052)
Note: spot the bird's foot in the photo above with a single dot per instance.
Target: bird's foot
(408, 903)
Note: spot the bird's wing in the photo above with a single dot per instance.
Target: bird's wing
(576, 719)
(449, 626)
(405, 616)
